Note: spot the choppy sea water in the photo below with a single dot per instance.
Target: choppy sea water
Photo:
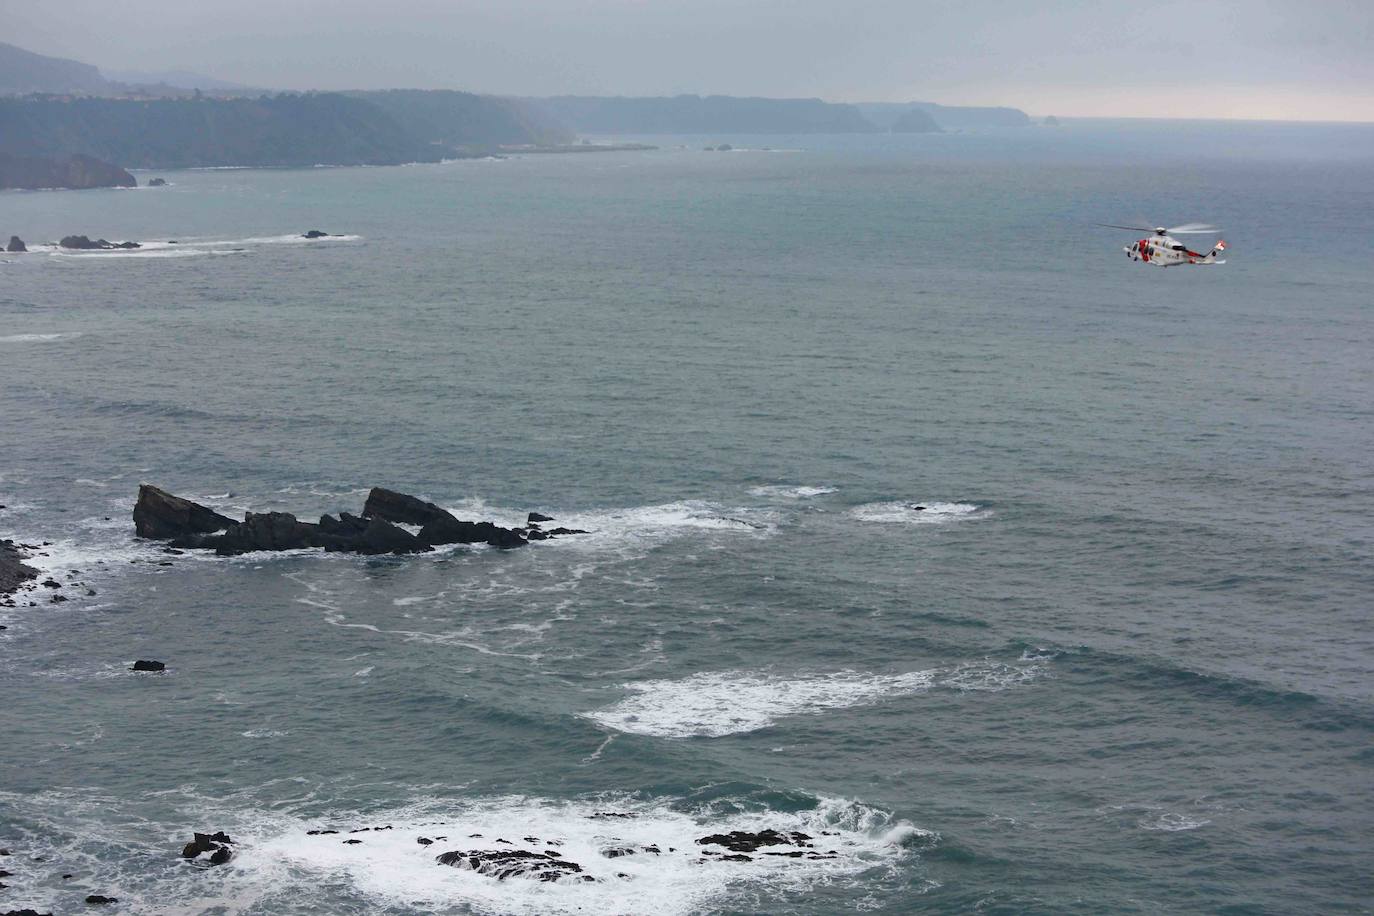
(1121, 662)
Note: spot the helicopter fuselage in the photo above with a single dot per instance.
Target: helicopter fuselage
(1164, 251)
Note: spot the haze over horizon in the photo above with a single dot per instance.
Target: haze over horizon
(1261, 60)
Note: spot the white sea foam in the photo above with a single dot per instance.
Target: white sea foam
(36, 338)
(725, 703)
(790, 492)
(905, 512)
(1171, 822)
(637, 526)
(714, 704)
(392, 869)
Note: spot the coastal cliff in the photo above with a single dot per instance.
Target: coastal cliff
(75, 172)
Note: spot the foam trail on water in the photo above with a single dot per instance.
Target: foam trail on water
(910, 512)
(37, 338)
(791, 492)
(714, 704)
(724, 703)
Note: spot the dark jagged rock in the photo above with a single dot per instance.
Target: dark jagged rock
(187, 525)
(424, 840)
(745, 841)
(535, 518)
(445, 529)
(392, 506)
(16, 245)
(144, 664)
(159, 514)
(217, 844)
(555, 532)
(314, 234)
(346, 525)
(266, 531)
(13, 571)
(100, 898)
(383, 537)
(26, 912)
(157, 182)
(319, 832)
(503, 864)
(82, 243)
(352, 842)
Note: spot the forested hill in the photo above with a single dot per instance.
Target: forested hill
(466, 120)
(24, 71)
(949, 117)
(694, 114)
(282, 130)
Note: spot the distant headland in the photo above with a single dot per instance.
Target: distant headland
(63, 124)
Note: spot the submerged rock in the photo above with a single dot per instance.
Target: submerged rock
(314, 234)
(157, 182)
(745, 841)
(503, 864)
(100, 898)
(144, 664)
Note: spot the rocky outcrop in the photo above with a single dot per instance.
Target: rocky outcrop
(315, 234)
(146, 664)
(399, 507)
(187, 525)
(157, 182)
(16, 245)
(159, 514)
(76, 172)
(83, 243)
(216, 844)
(503, 864)
(13, 571)
(745, 841)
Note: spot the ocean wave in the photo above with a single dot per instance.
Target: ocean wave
(38, 338)
(791, 492)
(910, 512)
(715, 704)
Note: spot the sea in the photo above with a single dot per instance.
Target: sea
(1120, 661)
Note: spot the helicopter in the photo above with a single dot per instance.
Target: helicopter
(1162, 250)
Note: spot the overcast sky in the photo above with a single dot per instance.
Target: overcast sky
(1299, 59)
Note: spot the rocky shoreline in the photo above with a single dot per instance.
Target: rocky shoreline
(13, 571)
(187, 525)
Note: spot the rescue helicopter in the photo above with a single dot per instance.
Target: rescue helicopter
(1162, 250)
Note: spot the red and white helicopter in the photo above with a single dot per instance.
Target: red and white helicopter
(1162, 250)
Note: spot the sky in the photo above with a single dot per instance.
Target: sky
(1293, 60)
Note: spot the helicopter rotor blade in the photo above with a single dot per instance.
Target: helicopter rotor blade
(1132, 228)
(1192, 229)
